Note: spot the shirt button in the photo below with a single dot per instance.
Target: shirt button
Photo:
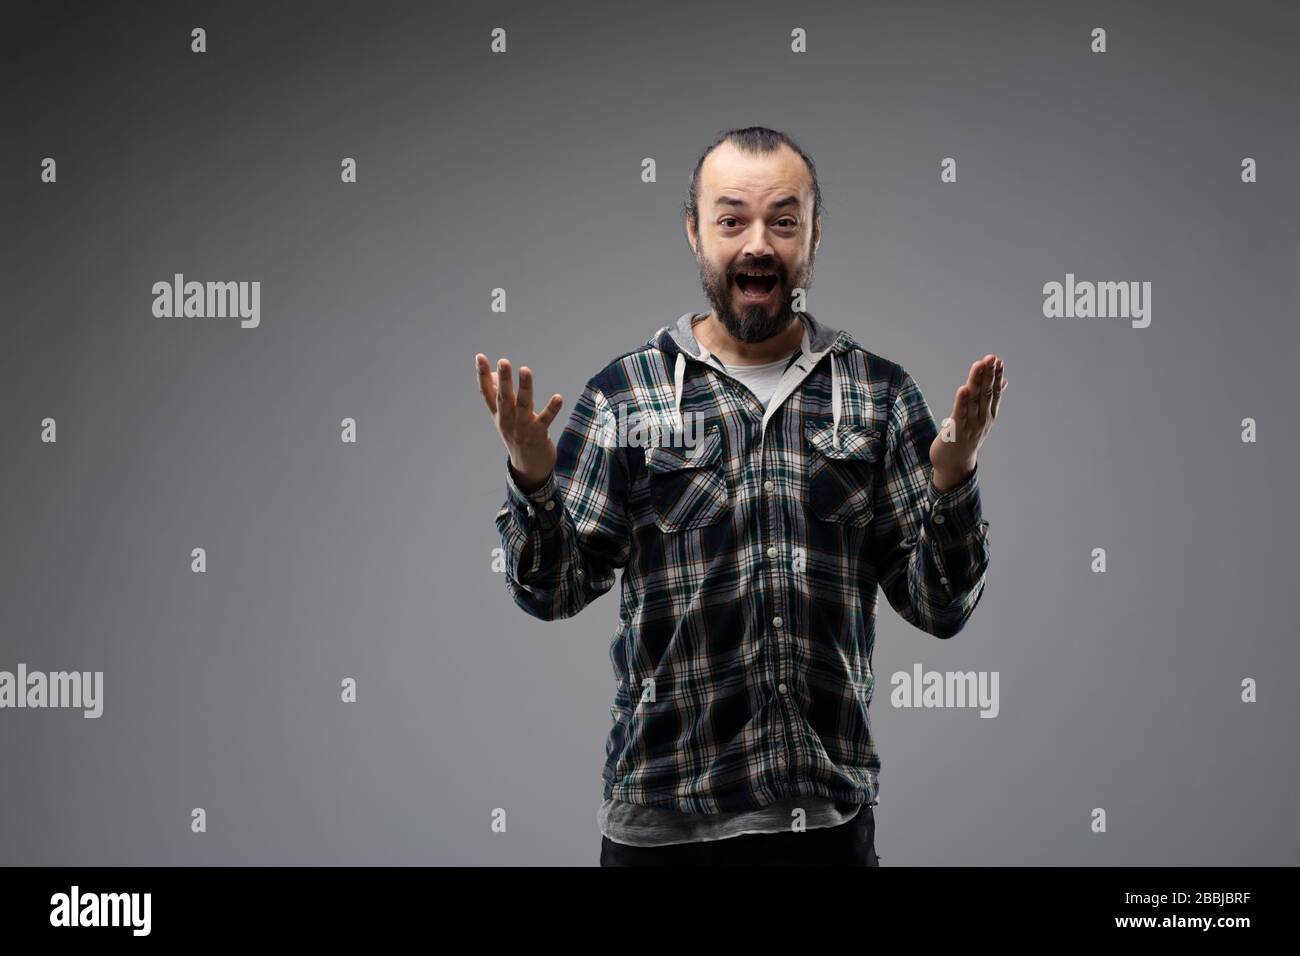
(943, 580)
(550, 505)
(530, 509)
(771, 552)
(938, 518)
(769, 485)
(782, 688)
(776, 622)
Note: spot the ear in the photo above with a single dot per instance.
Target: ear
(692, 238)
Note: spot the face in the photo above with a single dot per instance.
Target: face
(755, 217)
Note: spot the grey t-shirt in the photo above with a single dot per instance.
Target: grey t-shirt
(760, 379)
(639, 825)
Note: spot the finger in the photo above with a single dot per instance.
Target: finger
(983, 397)
(487, 385)
(974, 385)
(999, 383)
(505, 391)
(961, 413)
(958, 413)
(551, 410)
(524, 401)
(994, 383)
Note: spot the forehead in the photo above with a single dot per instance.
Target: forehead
(729, 171)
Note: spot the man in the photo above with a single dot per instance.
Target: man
(755, 474)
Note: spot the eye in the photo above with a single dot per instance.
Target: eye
(729, 219)
(787, 219)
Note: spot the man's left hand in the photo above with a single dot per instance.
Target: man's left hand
(973, 412)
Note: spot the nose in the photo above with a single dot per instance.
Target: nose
(756, 244)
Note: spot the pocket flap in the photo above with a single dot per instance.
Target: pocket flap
(665, 458)
(856, 441)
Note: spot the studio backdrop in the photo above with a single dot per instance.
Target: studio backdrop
(256, 520)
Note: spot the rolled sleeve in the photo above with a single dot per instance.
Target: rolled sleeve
(573, 530)
(540, 506)
(931, 548)
(954, 515)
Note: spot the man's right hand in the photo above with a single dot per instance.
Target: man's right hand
(527, 435)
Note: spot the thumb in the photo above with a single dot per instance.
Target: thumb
(552, 409)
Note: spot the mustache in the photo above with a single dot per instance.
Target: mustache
(758, 266)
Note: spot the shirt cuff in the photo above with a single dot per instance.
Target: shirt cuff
(543, 503)
(954, 514)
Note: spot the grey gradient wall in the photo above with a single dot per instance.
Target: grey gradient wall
(522, 171)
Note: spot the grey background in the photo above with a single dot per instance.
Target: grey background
(522, 171)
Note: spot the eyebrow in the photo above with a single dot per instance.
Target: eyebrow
(777, 204)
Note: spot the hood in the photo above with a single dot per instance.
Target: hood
(819, 341)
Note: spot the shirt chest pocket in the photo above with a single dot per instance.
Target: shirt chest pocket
(842, 480)
(688, 486)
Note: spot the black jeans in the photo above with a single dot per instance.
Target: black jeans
(849, 844)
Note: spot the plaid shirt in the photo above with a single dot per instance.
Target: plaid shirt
(751, 542)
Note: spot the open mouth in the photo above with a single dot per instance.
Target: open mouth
(756, 286)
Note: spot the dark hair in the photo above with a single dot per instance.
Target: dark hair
(757, 141)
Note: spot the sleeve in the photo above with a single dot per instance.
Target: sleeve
(564, 541)
(930, 548)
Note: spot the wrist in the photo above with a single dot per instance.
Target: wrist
(527, 483)
(945, 480)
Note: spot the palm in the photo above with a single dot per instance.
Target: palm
(975, 408)
(526, 433)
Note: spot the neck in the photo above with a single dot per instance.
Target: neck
(714, 336)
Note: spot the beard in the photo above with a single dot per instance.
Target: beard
(754, 322)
